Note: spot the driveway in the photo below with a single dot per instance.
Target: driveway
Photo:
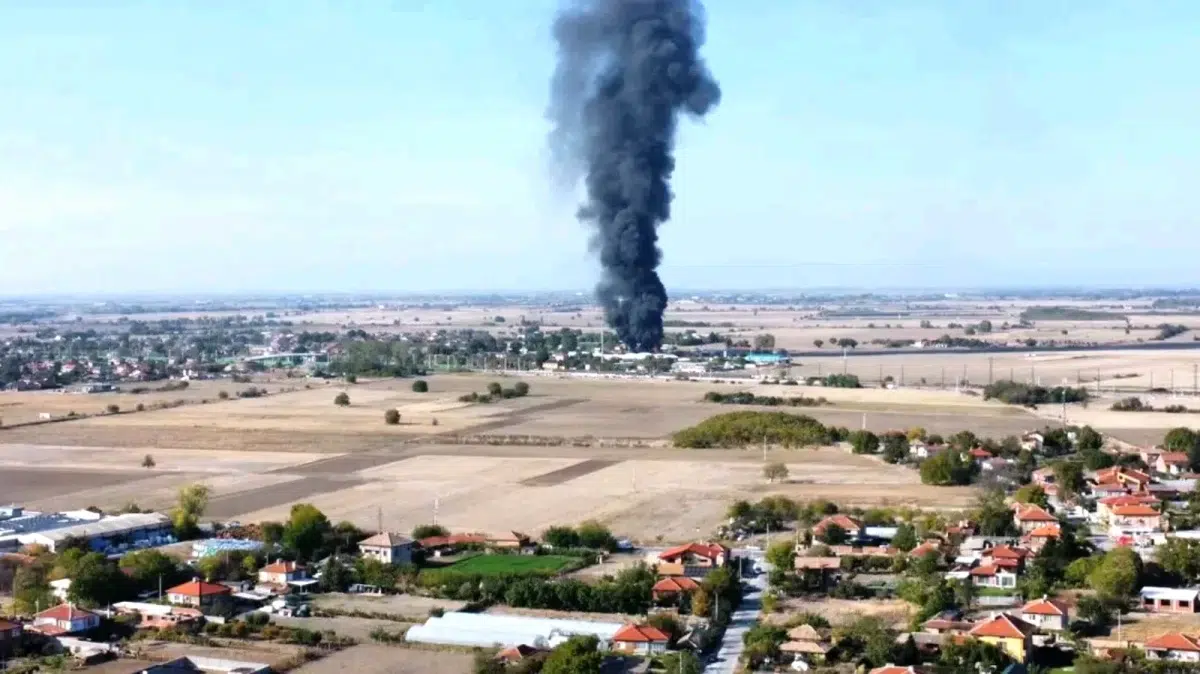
(730, 651)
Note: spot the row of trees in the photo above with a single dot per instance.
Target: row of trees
(1016, 393)
(741, 429)
(747, 398)
(497, 392)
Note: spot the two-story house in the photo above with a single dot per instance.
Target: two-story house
(989, 575)
(1009, 634)
(1135, 518)
(1046, 614)
(692, 559)
(1172, 463)
(64, 619)
(1028, 517)
(387, 547)
(197, 593)
(281, 573)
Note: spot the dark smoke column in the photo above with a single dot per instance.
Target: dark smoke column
(626, 70)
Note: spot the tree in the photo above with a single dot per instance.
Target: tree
(305, 531)
(392, 417)
(594, 535)
(341, 399)
(578, 655)
(31, 589)
(864, 442)
(96, 582)
(113, 409)
(1095, 611)
(1068, 475)
(190, 507)
(335, 577)
(521, 389)
(147, 461)
(420, 386)
(495, 390)
(1088, 439)
(681, 662)
(993, 515)
(780, 555)
(1033, 494)
(701, 602)
(985, 326)
(147, 568)
(764, 342)
(818, 343)
(371, 571)
(775, 472)
(916, 433)
(833, 534)
(1181, 557)
(560, 537)
(895, 447)
(272, 534)
(1180, 439)
(351, 378)
(1118, 575)
(429, 531)
(972, 655)
(905, 538)
(740, 510)
(949, 467)
(223, 395)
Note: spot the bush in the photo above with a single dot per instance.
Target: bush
(1014, 393)
(420, 386)
(392, 417)
(223, 395)
(741, 429)
(351, 379)
(521, 389)
(842, 381)
(341, 399)
(113, 409)
(1131, 404)
(140, 407)
(148, 461)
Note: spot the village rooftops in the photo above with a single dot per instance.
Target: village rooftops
(712, 551)
(1045, 606)
(281, 566)
(1128, 499)
(1173, 641)
(1002, 626)
(845, 522)
(1174, 458)
(676, 584)
(1045, 531)
(199, 588)
(1034, 513)
(64, 612)
(1136, 510)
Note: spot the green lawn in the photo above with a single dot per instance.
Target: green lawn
(995, 592)
(504, 564)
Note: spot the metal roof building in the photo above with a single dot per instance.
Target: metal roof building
(104, 529)
(483, 630)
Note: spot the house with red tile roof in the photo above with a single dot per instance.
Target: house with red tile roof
(673, 588)
(1046, 614)
(991, 575)
(1036, 540)
(979, 454)
(515, 654)
(897, 669)
(1174, 646)
(281, 573)
(1029, 517)
(1171, 463)
(928, 547)
(640, 640)
(1011, 635)
(1135, 518)
(851, 526)
(64, 619)
(197, 593)
(1105, 505)
(691, 559)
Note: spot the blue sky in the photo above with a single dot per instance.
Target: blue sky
(283, 145)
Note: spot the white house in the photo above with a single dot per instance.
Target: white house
(388, 548)
(64, 619)
(1046, 614)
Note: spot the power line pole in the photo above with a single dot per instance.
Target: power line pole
(991, 363)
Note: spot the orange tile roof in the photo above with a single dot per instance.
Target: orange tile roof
(676, 584)
(707, 550)
(1034, 513)
(1005, 552)
(1046, 531)
(844, 521)
(640, 634)
(981, 453)
(984, 570)
(197, 588)
(1045, 606)
(893, 669)
(1177, 458)
(1128, 499)
(1135, 511)
(281, 567)
(1173, 641)
(1003, 626)
(65, 612)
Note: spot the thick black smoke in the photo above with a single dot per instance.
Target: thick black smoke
(626, 70)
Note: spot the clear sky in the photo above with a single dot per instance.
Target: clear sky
(279, 145)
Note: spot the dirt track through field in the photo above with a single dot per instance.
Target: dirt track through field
(567, 474)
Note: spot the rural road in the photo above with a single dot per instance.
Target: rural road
(730, 651)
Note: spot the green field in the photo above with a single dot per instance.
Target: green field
(512, 564)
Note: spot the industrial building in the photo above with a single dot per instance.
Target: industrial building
(15, 522)
(109, 534)
(486, 631)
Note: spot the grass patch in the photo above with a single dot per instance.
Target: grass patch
(994, 592)
(499, 565)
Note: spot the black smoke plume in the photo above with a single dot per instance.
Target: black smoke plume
(626, 70)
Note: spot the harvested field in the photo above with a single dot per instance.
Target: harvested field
(376, 659)
(567, 474)
(1142, 626)
(358, 629)
(28, 484)
(283, 494)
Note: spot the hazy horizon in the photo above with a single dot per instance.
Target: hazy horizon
(400, 147)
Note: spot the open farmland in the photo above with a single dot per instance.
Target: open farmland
(376, 659)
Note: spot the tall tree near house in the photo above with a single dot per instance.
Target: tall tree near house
(190, 507)
(305, 531)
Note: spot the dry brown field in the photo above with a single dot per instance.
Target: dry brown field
(376, 659)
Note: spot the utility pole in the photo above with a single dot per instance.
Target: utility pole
(991, 363)
(845, 363)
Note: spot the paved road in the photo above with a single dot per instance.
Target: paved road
(730, 651)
